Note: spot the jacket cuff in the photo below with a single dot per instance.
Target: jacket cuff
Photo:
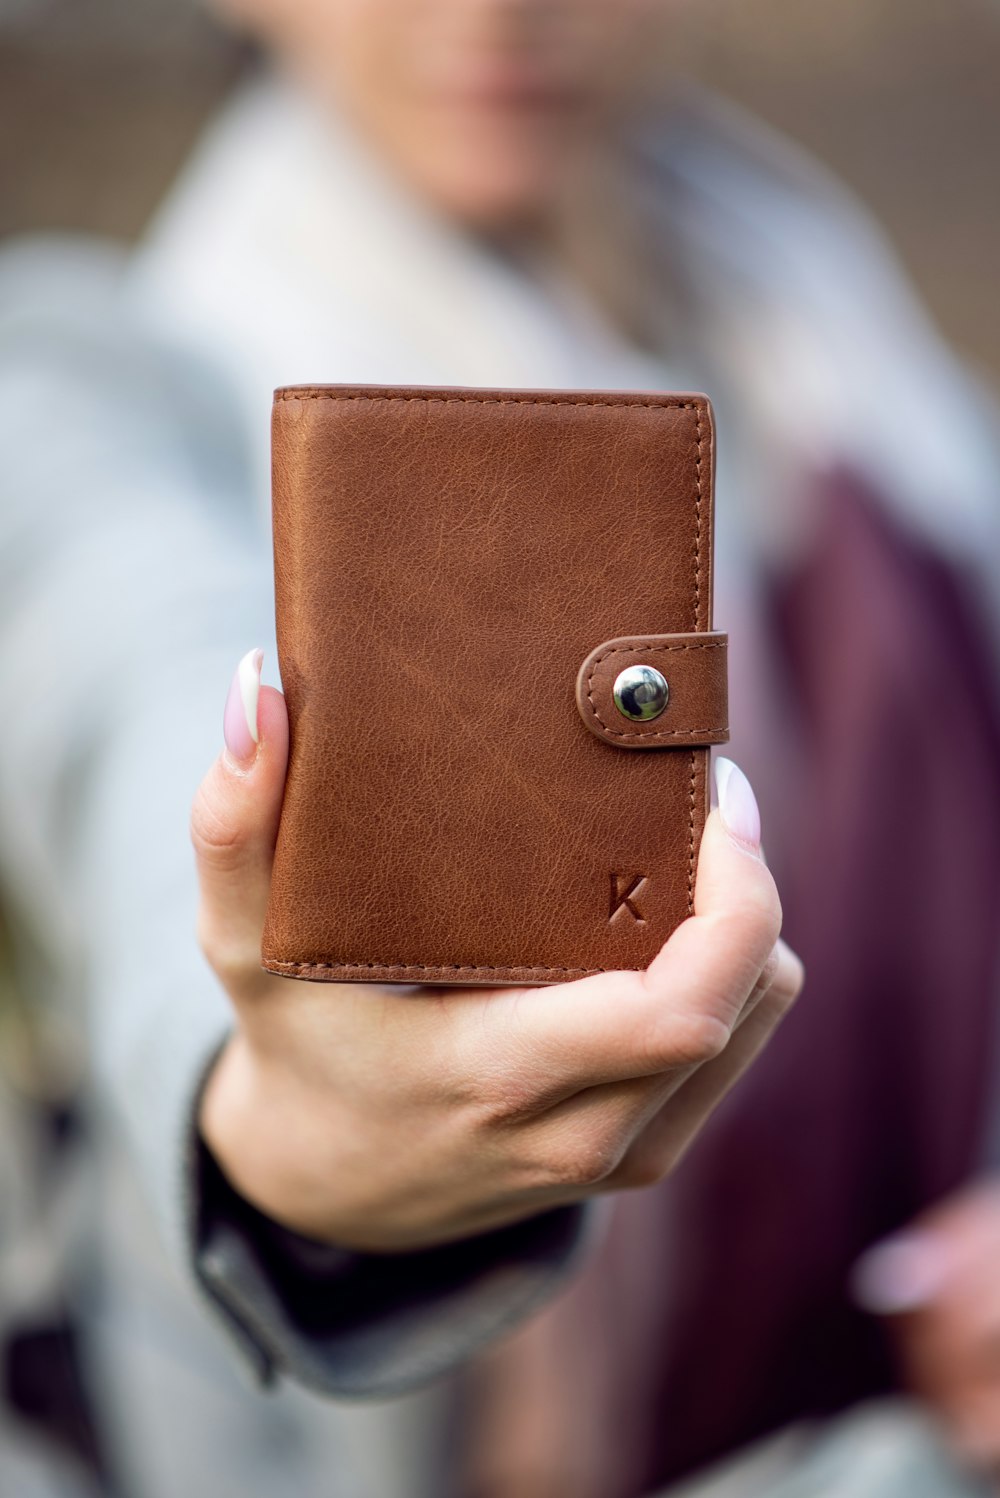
(362, 1325)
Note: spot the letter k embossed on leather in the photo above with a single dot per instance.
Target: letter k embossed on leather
(494, 627)
(624, 889)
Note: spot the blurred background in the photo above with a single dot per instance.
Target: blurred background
(899, 96)
(100, 103)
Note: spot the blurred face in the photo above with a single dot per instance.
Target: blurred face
(488, 107)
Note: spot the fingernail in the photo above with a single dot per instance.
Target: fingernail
(737, 803)
(239, 721)
(900, 1274)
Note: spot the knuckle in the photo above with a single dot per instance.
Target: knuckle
(788, 982)
(770, 972)
(585, 1161)
(757, 914)
(689, 1040)
(218, 842)
(751, 921)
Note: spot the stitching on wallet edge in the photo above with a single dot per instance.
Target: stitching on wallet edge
(432, 967)
(495, 400)
(660, 733)
(692, 851)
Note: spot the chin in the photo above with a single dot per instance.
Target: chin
(487, 188)
(489, 205)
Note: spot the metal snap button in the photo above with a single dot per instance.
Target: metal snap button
(640, 693)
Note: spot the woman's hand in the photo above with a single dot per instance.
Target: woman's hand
(391, 1117)
(938, 1284)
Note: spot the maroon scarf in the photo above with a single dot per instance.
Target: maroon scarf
(716, 1309)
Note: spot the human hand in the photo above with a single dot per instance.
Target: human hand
(938, 1284)
(392, 1117)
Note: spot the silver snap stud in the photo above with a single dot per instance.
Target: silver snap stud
(640, 693)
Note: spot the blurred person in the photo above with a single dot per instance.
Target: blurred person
(497, 192)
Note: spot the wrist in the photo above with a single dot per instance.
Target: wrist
(237, 1123)
(226, 1098)
(272, 1139)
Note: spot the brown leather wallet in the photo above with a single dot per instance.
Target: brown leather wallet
(494, 637)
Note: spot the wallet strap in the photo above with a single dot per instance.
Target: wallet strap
(696, 707)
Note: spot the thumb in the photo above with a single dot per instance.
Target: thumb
(725, 954)
(682, 1010)
(234, 823)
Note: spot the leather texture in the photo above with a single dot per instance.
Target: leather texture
(694, 666)
(453, 569)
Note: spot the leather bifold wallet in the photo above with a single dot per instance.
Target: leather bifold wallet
(493, 616)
